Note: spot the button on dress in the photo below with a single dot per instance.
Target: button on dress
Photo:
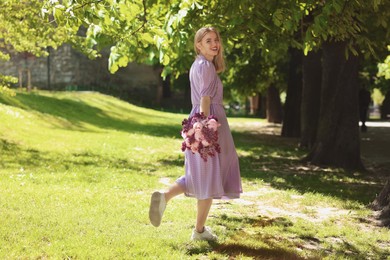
(219, 176)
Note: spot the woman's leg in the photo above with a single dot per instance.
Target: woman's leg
(173, 191)
(202, 214)
(203, 205)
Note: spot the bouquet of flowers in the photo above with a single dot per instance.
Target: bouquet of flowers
(200, 135)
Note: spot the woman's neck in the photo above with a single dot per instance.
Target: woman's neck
(210, 58)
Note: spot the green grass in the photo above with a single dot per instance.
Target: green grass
(77, 171)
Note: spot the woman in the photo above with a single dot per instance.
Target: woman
(219, 176)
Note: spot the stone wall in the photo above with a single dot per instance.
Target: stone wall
(71, 70)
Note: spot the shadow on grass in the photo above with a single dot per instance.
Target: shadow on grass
(247, 238)
(14, 156)
(79, 113)
(237, 250)
(234, 250)
(253, 244)
(176, 162)
(276, 160)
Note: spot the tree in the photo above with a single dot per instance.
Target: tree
(337, 140)
(144, 31)
(343, 30)
(22, 29)
(292, 111)
(274, 107)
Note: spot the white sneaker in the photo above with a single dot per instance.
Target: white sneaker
(157, 207)
(207, 235)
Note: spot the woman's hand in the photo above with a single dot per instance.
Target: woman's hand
(205, 103)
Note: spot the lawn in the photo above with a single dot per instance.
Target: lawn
(77, 170)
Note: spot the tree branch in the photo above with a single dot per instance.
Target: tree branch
(144, 22)
(87, 3)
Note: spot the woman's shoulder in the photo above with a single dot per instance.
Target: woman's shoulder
(202, 64)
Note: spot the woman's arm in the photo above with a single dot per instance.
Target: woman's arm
(205, 103)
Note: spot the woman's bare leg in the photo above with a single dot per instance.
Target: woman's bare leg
(173, 191)
(202, 214)
(202, 205)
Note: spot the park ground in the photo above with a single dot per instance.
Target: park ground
(375, 152)
(77, 171)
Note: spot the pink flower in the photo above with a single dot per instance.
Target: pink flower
(198, 136)
(188, 143)
(198, 126)
(205, 143)
(194, 147)
(190, 132)
(213, 124)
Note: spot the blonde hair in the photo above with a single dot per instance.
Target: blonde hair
(218, 61)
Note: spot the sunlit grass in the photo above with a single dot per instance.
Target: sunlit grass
(77, 170)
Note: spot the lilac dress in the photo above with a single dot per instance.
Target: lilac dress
(219, 177)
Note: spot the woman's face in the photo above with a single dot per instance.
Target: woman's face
(209, 45)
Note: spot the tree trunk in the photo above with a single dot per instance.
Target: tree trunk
(382, 203)
(274, 105)
(253, 104)
(159, 93)
(311, 98)
(337, 142)
(257, 105)
(166, 87)
(159, 90)
(262, 112)
(292, 111)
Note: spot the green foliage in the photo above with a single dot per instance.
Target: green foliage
(139, 31)
(5, 82)
(6, 91)
(384, 68)
(23, 30)
(354, 21)
(257, 34)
